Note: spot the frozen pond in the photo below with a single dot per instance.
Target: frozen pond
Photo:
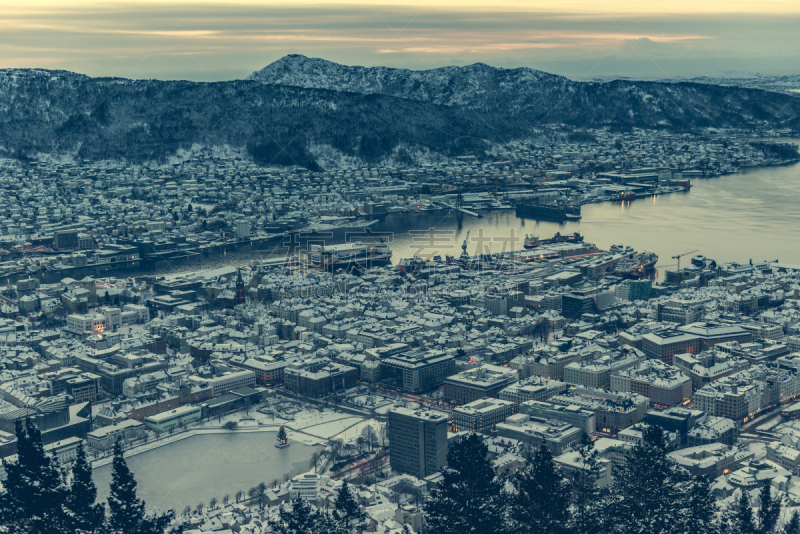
(196, 469)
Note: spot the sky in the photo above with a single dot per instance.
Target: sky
(213, 40)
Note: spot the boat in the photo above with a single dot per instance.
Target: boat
(346, 255)
(534, 241)
(623, 197)
(554, 210)
(560, 251)
(637, 264)
(531, 242)
(416, 266)
(621, 249)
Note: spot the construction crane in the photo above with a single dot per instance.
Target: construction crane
(679, 256)
(464, 254)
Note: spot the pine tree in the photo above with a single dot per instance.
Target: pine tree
(743, 520)
(282, 438)
(84, 515)
(126, 510)
(35, 490)
(700, 507)
(646, 496)
(348, 516)
(299, 519)
(587, 496)
(769, 510)
(541, 501)
(470, 498)
(793, 526)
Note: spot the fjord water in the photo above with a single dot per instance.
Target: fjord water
(754, 214)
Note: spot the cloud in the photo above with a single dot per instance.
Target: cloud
(223, 40)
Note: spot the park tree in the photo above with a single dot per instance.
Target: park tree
(282, 437)
(370, 437)
(469, 498)
(542, 497)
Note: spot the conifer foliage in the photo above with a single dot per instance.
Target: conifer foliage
(648, 489)
(282, 437)
(126, 510)
(35, 490)
(84, 515)
(348, 517)
(470, 498)
(299, 518)
(38, 498)
(541, 499)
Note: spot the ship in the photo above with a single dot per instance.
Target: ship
(558, 251)
(534, 241)
(637, 265)
(623, 197)
(347, 255)
(551, 210)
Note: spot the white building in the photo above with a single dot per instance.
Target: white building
(142, 313)
(171, 419)
(113, 315)
(86, 323)
(105, 437)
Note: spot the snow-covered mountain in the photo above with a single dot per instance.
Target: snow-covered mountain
(472, 86)
(295, 105)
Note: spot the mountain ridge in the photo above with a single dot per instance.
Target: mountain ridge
(368, 113)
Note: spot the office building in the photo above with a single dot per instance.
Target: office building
(573, 414)
(667, 343)
(481, 415)
(614, 410)
(535, 388)
(418, 441)
(482, 381)
(663, 384)
(553, 434)
(417, 370)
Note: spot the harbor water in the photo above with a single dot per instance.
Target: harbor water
(753, 214)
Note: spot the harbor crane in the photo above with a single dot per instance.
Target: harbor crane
(679, 256)
(464, 254)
